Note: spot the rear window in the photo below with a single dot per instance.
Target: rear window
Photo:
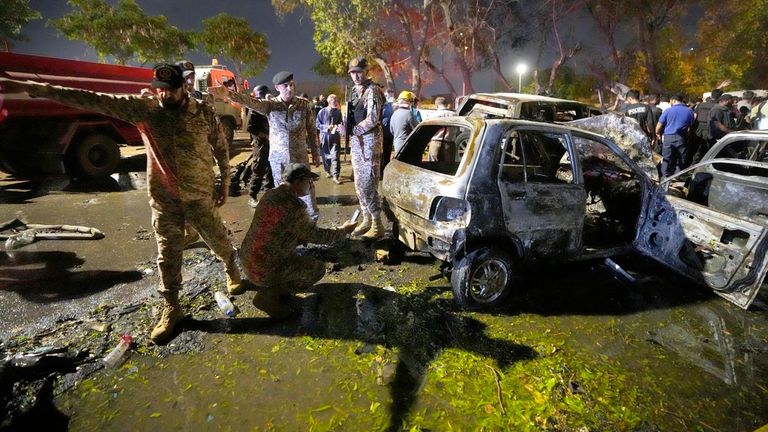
(553, 112)
(751, 150)
(437, 148)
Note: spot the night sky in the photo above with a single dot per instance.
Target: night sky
(290, 40)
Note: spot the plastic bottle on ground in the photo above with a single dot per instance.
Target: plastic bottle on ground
(226, 306)
(117, 355)
(21, 239)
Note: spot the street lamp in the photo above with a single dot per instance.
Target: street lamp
(521, 69)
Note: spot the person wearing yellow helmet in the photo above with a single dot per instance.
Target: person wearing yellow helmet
(403, 121)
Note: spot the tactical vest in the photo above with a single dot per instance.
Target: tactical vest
(360, 111)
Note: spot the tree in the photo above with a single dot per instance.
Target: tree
(347, 29)
(123, 32)
(231, 37)
(13, 16)
(737, 51)
(475, 32)
(609, 17)
(650, 17)
(548, 16)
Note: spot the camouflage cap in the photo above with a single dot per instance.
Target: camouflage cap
(297, 171)
(167, 76)
(357, 64)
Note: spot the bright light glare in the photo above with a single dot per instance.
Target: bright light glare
(521, 68)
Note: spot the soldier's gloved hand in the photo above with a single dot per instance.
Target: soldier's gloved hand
(348, 226)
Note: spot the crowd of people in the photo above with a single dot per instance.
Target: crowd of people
(683, 130)
(185, 141)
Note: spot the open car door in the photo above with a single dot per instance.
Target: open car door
(721, 250)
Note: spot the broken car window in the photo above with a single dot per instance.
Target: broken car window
(533, 156)
(437, 148)
(744, 149)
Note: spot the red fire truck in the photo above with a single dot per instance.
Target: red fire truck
(38, 135)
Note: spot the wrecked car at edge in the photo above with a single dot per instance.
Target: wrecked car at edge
(524, 192)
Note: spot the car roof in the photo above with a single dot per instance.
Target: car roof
(514, 97)
(509, 100)
(478, 122)
(755, 135)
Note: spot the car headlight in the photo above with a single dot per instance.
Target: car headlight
(447, 209)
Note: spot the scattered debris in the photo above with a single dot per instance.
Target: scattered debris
(17, 233)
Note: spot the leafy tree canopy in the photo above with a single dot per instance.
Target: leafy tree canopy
(231, 37)
(124, 32)
(14, 14)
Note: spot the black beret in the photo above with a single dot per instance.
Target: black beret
(167, 76)
(357, 64)
(282, 77)
(297, 171)
(261, 88)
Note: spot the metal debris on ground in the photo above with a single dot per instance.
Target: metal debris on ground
(18, 233)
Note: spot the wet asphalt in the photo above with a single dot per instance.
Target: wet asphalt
(688, 358)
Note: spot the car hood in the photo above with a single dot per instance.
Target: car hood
(627, 134)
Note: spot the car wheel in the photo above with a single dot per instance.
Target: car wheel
(228, 128)
(95, 156)
(483, 278)
(461, 141)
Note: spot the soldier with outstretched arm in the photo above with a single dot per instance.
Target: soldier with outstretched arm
(182, 137)
(291, 130)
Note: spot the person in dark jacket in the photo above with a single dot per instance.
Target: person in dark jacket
(258, 127)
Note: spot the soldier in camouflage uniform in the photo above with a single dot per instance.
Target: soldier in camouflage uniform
(268, 252)
(182, 137)
(291, 130)
(258, 127)
(366, 143)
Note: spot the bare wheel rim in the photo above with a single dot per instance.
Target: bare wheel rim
(489, 280)
(461, 150)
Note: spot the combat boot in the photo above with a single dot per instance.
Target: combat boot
(171, 315)
(377, 229)
(364, 226)
(234, 281)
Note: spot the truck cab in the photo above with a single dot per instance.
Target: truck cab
(230, 113)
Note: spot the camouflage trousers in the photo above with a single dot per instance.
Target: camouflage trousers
(168, 221)
(279, 162)
(366, 162)
(260, 168)
(292, 275)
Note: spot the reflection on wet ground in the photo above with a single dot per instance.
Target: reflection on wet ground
(376, 346)
(573, 349)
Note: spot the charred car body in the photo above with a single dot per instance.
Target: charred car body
(524, 191)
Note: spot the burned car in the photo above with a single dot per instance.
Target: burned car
(732, 176)
(520, 106)
(524, 192)
(524, 106)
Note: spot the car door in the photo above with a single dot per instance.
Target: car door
(543, 209)
(723, 251)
